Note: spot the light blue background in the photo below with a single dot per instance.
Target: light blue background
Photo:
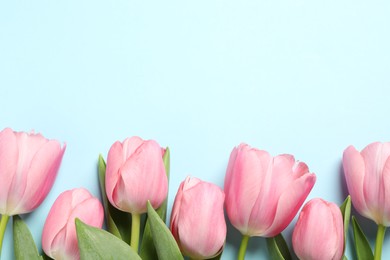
(302, 77)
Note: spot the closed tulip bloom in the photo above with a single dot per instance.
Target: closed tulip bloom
(367, 174)
(197, 219)
(319, 232)
(59, 238)
(264, 193)
(135, 174)
(28, 167)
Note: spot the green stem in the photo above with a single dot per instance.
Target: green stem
(243, 246)
(135, 229)
(3, 225)
(380, 235)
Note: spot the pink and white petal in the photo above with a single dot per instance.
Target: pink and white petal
(130, 145)
(8, 165)
(289, 203)
(230, 167)
(55, 221)
(114, 163)
(354, 172)
(41, 176)
(375, 156)
(386, 187)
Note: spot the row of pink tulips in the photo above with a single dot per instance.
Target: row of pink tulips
(262, 194)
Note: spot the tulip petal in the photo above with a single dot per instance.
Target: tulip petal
(41, 175)
(289, 203)
(375, 156)
(114, 163)
(386, 185)
(9, 161)
(354, 171)
(130, 145)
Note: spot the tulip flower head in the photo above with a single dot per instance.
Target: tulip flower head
(264, 193)
(59, 238)
(28, 167)
(367, 174)
(197, 219)
(319, 232)
(135, 174)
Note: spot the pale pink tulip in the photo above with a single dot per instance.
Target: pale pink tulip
(264, 193)
(59, 238)
(28, 167)
(197, 219)
(135, 174)
(319, 232)
(367, 174)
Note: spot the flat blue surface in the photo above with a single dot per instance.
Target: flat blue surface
(302, 77)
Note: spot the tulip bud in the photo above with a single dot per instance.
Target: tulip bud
(264, 193)
(135, 174)
(28, 167)
(319, 233)
(59, 238)
(197, 219)
(367, 174)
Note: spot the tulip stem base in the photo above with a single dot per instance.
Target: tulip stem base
(243, 246)
(135, 230)
(380, 235)
(3, 225)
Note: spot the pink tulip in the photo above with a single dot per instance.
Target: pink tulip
(264, 193)
(197, 219)
(28, 167)
(135, 174)
(59, 238)
(319, 232)
(367, 174)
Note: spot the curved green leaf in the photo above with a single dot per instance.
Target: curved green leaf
(118, 222)
(24, 245)
(362, 246)
(147, 250)
(346, 212)
(165, 243)
(277, 248)
(95, 243)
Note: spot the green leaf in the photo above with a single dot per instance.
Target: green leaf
(346, 212)
(165, 243)
(277, 248)
(148, 250)
(95, 243)
(118, 222)
(24, 245)
(362, 246)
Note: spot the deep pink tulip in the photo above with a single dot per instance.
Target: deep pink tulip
(135, 174)
(197, 219)
(264, 193)
(367, 174)
(319, 232)
(59, 238)
(28, 167)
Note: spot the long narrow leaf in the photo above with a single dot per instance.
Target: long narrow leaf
(118, 222)
(165, 243)
(277, 248)
(24, 245)
(362, 246)
(98, 244)
(346, 212)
